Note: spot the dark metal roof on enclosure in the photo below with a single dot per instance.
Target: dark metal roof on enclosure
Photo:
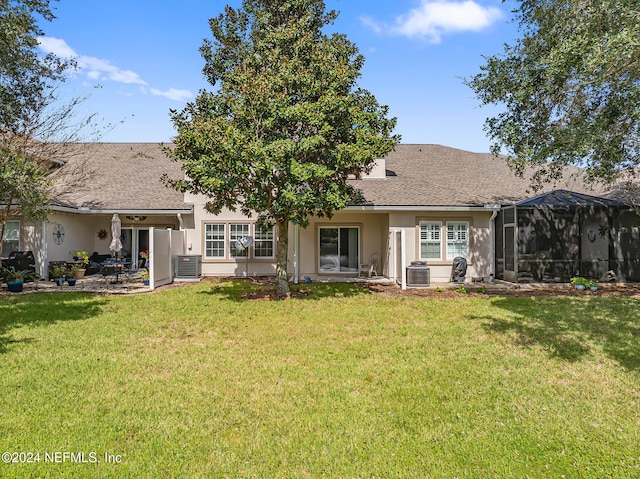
(565, 198)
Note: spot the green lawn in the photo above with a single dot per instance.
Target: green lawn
(197, 382)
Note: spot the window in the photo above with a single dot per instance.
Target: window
(339, 250)
(430, 240)
(214, 240)
(457, 239)
(11, 241)
(263, 246)
(236, 232)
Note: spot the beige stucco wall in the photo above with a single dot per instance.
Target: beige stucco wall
(373, 240)
(479, 249)
(194, 243)
(375, 228)
(78, 235)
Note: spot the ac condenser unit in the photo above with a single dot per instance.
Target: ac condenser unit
(188, 266)
(418, 274)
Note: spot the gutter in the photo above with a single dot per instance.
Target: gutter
(89, 211)
(414, 208)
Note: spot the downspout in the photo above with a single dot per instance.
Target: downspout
(184, 234)
(296, 247)
(403, 260)
(492, 243)
(44, 271)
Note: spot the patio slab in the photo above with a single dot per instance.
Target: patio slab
(90, 284)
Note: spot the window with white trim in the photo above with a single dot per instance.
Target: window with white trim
(431, 240)
(237, 231)
(457, 239)
(264, 242)
(214, 240)
(11, 240)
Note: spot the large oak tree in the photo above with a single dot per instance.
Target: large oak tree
(569, 89)
(286, 125)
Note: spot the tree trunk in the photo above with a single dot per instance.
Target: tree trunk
(282, 259)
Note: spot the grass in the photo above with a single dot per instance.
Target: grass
(198, 382)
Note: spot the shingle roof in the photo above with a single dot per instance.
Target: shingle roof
(125, 176)
(434, 175)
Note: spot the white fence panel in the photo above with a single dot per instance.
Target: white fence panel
(160, 263)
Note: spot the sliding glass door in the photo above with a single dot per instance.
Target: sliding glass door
(339, 248)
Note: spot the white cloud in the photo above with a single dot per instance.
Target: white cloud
(173, 94)
(433, 18)
(99, 69)
(94, 68)
(56, 46)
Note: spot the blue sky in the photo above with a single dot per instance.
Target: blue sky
(139, 58)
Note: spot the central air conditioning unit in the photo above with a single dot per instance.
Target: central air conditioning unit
(188, 266)
(418, 274)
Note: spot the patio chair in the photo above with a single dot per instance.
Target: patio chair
(371, 268)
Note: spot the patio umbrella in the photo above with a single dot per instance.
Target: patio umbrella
(116, 228)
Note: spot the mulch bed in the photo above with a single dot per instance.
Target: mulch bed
(268, 290)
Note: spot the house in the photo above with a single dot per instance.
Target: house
(422, 203)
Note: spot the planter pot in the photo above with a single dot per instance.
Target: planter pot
(593, 288)
(71, 281)
(145, 282)
(80, 273)
(15, 286)
(580, 287)
(59, 281)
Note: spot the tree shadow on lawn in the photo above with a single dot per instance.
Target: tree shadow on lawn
(241, 290)
(568, 328)
(43, 308)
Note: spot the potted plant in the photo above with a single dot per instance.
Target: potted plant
(593, 285)
(144, 271)
(15, 279)
(80, 268)
(579, 282)
(144, 274)
(58, 273)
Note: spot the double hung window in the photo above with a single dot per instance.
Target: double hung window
(214, 240)
(237, 231)
(457, 239)
(431, 240)
(11, 240)
(263, 246)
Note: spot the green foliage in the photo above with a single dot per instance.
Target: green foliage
(576, 280)
(25, 77)
(81, 255)
(461, 289)
(482, 290)
(11, 274)
(58, 272)
(570, 88)
(286, 125)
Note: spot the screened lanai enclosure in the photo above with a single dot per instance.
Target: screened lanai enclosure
(558, 235)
